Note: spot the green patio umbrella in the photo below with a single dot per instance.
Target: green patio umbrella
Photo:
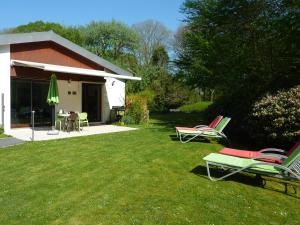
(53, 97)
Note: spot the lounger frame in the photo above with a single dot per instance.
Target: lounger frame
(187, 137)
(288, 173)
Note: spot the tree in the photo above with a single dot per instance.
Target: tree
(110, 39)
(243, 49)
(153, 34)
(71, 33)
(160, 57)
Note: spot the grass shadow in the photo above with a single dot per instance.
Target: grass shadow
(174, 137)
(290, 188)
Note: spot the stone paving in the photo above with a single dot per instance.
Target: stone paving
(41, 134)
(9, 141)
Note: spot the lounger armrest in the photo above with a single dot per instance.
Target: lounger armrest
(200, 126)
(268, 155)
(273, 150)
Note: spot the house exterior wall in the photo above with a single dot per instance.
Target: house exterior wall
(113, 94)
(5, 87)
(69, 102)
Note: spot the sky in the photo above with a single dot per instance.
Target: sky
(81, 12)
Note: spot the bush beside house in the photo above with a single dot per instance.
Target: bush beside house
(136, 109)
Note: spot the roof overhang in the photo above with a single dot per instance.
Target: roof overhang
(71, 70)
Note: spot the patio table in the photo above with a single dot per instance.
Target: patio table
(65, 119)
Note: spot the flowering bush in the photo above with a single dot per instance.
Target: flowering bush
(136, 109)
(277, 117)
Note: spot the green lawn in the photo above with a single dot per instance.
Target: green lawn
(2, 135)
(138, 177)
(195, 107)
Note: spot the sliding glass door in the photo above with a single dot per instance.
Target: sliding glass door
(28, 95)
(20, 103)
(91, 101)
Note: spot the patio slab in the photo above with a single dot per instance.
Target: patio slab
(40, 134)
(9, 141)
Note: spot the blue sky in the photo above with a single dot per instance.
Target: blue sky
(80, 12)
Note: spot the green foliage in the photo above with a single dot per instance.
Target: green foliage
(194, 107)
(169, 91)
(242, 50)
(71, 33)
(2, 135)
(136, 110)
(110, 39)
(232, 45)
(277, 117)
(160, 57)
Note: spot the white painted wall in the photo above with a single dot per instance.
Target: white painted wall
(69, 102)
(113, 94)
(5, 86)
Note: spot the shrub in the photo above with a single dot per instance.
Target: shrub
(277, 117)
(136, 109)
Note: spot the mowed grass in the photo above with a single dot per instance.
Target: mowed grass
(137, 177)
(2, 135)
(195, 107)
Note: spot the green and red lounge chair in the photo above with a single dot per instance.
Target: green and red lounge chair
(254, 154)
(212, 125)
(289, 168)
(186, 135)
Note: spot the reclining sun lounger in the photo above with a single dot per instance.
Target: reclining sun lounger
(254, 154)
(289, 169)
(212, 125)
(188, 135)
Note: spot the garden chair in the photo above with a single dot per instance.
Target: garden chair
(83, 120)
(72, 121)
(289, 169)
(253, 154)
(213, 125)
(59, 121)
(188, 135)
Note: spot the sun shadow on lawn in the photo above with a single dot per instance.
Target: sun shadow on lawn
(203, 140)
(288, 188)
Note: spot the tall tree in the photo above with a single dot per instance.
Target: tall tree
(71, 33)
(153, 34)
(110, 39)
(241, 48)
(160, 57)
(231, 44)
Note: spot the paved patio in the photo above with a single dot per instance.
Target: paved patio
(41, 134)
(9, 141)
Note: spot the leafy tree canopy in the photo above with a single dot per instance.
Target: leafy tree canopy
(71, 33)
(110, 39)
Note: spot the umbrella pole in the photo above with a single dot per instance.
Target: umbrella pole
(53, 131)
(53, 118)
